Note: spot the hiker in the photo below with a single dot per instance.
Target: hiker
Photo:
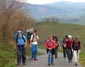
(64, 46)
(21, 43)
(33, 44)
(76, 50)
(69, 48)
(50, 46)
(55, 38)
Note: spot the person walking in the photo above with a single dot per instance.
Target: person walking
(64, 46)
(76, 50)
(33, 44)
(50, 46)
(69, 48)
(21, 43)
(55, 38)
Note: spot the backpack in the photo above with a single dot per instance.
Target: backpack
(16, 36)
(55, 37)
(29, 36)
(76, 46)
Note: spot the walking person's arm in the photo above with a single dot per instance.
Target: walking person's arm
(59, 44)
(25, 43)
(15, 46)
(36, 36)
(31, 39)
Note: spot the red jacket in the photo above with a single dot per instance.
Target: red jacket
(69, 43)
(50, 44)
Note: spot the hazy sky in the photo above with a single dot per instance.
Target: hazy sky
(50, 1)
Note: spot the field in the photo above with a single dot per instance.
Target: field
(7, 52)
(61, 30)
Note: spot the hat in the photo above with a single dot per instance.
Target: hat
(19, 31)
(69, 36)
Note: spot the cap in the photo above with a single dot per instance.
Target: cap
(19, 31)
(69, 36)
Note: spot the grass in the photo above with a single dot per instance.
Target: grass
(8, 54)
(82, 59)
(61, 30)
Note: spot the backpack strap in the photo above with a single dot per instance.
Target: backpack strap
(33, 38)
(16, 38)
(22, 38)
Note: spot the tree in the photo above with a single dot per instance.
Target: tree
(51, 19)
(12, 17)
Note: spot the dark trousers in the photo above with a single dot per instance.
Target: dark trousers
(69, 54)
(21, 55)
(64, 52)
(56, 51)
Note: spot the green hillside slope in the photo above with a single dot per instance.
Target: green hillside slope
(7, 52)
(61, 30)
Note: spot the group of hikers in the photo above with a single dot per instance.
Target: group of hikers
(71, 47)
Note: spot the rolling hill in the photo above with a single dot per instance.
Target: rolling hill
(67, 12)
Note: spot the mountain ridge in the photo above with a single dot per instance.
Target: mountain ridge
(67, 12)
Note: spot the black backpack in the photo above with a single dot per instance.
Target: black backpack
(55, 37)
(29, 36)
(76, 46)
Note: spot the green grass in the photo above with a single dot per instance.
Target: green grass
(61, 30)
(41, 46)
(8, 54)
(82, 59)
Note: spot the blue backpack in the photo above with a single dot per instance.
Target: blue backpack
(16, 36)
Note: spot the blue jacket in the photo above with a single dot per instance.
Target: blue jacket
(21, 40)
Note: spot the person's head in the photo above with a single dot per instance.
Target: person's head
(50, 37)
(20, 33)
(66, 37)
(36, 32)
(69, 37)
(76, 39)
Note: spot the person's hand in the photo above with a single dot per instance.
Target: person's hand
(15, 47)
(60, 47)
(25, 46)
(64, 45)
(50, 48)
(30, 45)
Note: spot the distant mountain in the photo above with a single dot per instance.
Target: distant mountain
(40, 11)
(68, 12)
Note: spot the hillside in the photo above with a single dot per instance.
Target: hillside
(60, 30)
(67, 12)
(7, 52)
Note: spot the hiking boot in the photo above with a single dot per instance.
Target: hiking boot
(55, 57)
(70, 61)
(48, 64)
(52, 63)
(35, 59)
(24, 63)
(17, 64)
(76, 64)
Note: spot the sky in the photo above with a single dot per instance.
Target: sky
(50, 1)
